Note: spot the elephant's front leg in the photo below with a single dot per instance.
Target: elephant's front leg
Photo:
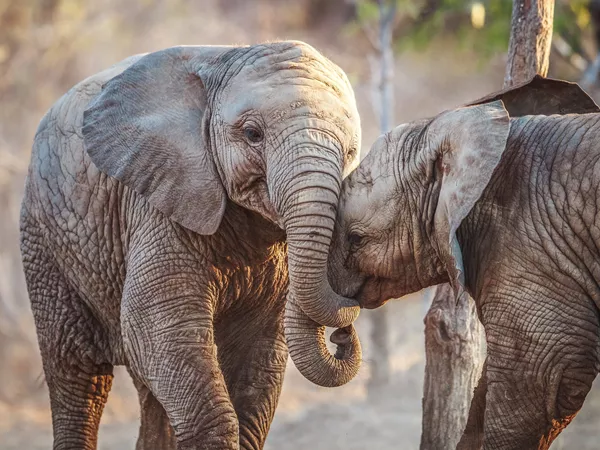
(253, 355)
(168, 334)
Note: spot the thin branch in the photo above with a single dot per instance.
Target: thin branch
(590, 76)
(370, 35)
(387, 14)
(374, 66)
(565, 51)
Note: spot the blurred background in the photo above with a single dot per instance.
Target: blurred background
(445, 53)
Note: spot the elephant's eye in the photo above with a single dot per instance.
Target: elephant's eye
(253, 134)
(354, 238)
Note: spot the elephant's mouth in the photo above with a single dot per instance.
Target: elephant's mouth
(375, 292)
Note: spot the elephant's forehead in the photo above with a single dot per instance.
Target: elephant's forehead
(290, 69)
(278, 103)
(371, 211)
(377, 166)
(294, 59)
(294, 89)
(369, 188)
(368, 195)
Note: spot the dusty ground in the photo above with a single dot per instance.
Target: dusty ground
(308, 416)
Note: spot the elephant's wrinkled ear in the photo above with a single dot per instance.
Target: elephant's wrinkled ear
(542, 96)
(468, 144)
(148, 128)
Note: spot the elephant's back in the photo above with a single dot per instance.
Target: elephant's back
(558, 150)
(557, 130)
(61, 174)
(553, 164)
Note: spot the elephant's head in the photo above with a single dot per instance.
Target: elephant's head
(272, 127)
(400, 210)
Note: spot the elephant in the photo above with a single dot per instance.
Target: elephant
(498, 198)
(176, 220)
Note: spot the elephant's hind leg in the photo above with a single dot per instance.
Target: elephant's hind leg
(253, 355)
(156, 432)
(68, 335)
(542, 357)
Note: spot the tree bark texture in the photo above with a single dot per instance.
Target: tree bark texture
(386, 57)
(530, 40)
(454, 357)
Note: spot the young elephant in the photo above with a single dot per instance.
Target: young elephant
(506, 209)
(160, 196)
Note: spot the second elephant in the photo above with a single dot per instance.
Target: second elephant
(504, 205)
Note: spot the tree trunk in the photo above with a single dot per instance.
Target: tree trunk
(382, 67)
(380, 353)
(530, 40)
(454, 340)
(454, 356)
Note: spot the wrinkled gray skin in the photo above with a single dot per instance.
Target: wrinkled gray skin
(506, 209)
(159, 197)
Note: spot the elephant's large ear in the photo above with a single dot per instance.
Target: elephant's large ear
(148, 128)
(542, 96)
(467, 144)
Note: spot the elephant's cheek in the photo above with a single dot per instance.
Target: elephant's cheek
(255, 196)
(374, 293)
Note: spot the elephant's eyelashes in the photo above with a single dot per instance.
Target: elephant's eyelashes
(253, 134)
(354, 239)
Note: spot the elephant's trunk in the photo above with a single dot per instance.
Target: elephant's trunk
(311, 199)
(306, 343)
(309, 230)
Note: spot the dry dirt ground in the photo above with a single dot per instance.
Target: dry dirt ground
(308, 417)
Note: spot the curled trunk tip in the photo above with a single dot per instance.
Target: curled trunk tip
(308, 350)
